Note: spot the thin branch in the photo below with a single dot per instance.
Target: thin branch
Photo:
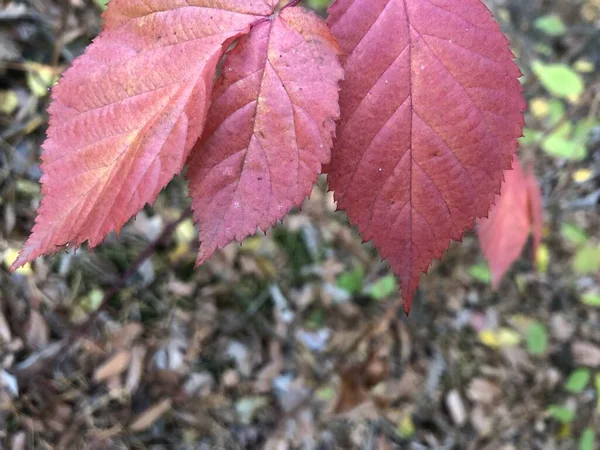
(28, 369)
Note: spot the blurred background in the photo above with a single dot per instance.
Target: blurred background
(292, 340)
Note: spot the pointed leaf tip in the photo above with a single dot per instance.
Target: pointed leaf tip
(269, 130)
(431, 110)
(126, 114)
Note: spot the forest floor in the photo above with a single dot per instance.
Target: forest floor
(293, 340)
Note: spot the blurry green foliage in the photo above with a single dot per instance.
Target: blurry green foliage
(384, 287)
(530, 137)
(551, 24)
(573, 234)
(569, 141)
(591, 299)
(588, 440)
(561, 414)
(559, 79)
(578, 381)
(587, 260)
(319, 4)
(353, 282)
(536, 337)
(481, 272)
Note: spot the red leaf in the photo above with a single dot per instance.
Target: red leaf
(534, 196)
(517, 212)
(269, 129)
(431, 112)
(125, 116)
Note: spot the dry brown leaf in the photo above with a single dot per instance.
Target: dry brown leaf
(482, 391)
(352, 392)
(134, 374)
(586, 354)
(393, 389)
(5, 334)
(113, 366)
(151, 415)
(124, 337)
(37, 332)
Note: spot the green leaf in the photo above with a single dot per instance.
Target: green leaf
(481, 272)
(561, 414)
(562, 144)
(588, 439)
(352, 282)
(584, 128)
(537, 338)
(587, 260)
(578, 381)
(559, 79)
(574, 234)
(551, 24)
(8, 102)
(319, 4)
(40, 79)
(591, 299)
(530, 137)
(102, 4)
(384, 287)
(556, 111)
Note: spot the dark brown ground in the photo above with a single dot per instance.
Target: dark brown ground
(261, 348)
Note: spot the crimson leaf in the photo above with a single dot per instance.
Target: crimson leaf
(431, 111)
(269, 130)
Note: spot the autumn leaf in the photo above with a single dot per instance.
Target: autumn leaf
(431, 111)
(517, 212)
(269, 129)
(126, 114)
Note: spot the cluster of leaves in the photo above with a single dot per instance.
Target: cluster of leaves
(428, 116)
(568, 139)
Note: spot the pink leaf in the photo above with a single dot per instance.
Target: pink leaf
(534, 196)
(504, 233)
(269, 129)
(431, 111)
(125, 116)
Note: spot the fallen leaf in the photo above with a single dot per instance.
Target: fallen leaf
(150, 416)
(586, 354)
(113, 366)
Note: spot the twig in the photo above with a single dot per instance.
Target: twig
(28, 370)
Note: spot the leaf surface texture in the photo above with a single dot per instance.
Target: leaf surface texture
(269, 130)
(126, 114)
(431, 111)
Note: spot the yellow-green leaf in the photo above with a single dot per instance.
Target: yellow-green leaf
(559, 79)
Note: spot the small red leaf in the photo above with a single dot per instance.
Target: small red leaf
(536, 213)
(517, 212)
(431, 111)
(269, 128)
(125, 116)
